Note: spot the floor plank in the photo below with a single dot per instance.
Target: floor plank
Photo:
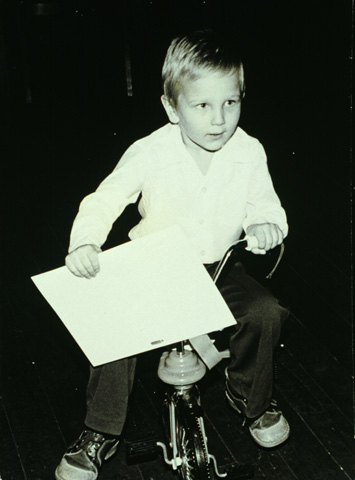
(319, 413)
(11, 467)
(321, 365)
(34, 428)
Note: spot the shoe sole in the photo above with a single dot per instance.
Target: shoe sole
(57, 477)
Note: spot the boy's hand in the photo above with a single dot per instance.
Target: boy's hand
(268, 235)
(84, 261)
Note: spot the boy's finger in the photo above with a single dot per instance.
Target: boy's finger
(277, 236)
(95, 264)
(86, 268)
(260, 235)
(280, 236)
(72, 268)
(274, 237)
(258, 251)
(77, 267)
(87, 259)
(269, 239)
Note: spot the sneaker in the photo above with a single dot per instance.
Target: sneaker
(269, 429)
(85, 456)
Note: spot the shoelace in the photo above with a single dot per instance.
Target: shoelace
(273, 406)
(90, 442)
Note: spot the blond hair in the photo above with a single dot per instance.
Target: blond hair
(188, 55)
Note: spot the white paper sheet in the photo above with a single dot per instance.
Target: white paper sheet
(150, 292)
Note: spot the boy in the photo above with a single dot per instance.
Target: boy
(206, 174)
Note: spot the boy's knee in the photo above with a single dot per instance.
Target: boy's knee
(266, 315)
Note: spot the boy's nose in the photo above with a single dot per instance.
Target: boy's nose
(217, 116)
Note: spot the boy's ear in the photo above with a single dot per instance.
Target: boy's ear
(170, 110)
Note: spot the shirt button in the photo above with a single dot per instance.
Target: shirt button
(204, 189)
(203, 252)
(201, 222)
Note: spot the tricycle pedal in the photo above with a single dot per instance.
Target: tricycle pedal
(141, 450)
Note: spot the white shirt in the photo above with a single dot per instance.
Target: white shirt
(212, 209)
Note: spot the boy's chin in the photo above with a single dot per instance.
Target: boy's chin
(214, 148)
(216, 145)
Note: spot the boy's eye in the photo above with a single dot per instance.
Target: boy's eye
(230, 102)
(201, 105)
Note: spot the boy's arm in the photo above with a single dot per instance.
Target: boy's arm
(99, 210)
(265, 217)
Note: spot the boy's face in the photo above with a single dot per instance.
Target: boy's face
(208, 110)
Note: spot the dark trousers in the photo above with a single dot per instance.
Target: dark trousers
(250, 372)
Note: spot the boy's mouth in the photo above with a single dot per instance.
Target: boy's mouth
(216, 134)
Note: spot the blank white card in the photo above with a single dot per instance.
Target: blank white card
(150, 292)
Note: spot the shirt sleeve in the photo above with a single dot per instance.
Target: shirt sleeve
(99, 210)
(263, 204)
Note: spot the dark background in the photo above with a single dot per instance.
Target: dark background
(68, 118)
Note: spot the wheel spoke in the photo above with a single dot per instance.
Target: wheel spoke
(191, 444)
